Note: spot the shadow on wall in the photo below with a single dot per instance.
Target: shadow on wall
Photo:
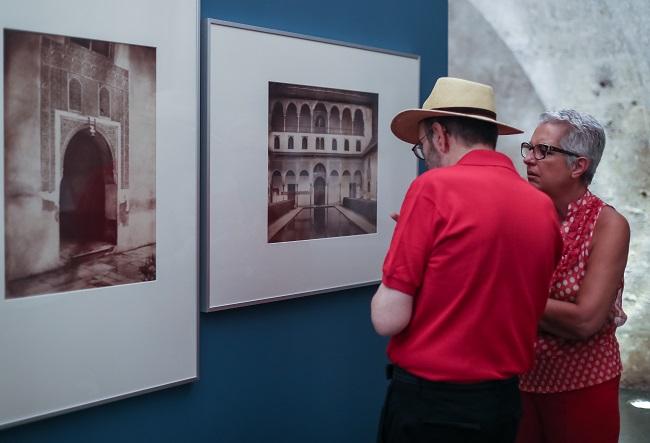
(482, 56)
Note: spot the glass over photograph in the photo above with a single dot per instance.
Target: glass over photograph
(79, 163)
(322, 148)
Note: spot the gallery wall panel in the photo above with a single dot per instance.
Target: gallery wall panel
(99, 130)
(301, 170)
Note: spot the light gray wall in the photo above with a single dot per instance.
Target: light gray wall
(591, 56)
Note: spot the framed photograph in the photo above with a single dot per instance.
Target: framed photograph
(97, 297)
(87, 120)
(300, 169)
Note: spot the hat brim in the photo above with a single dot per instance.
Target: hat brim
(405, 124)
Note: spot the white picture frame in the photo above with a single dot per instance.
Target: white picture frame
(241, 266)
(67, 349)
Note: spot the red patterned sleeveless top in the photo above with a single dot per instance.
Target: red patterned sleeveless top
(564, 364)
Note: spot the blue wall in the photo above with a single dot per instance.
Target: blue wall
(307, 370)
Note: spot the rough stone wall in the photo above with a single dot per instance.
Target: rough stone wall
(139, 160)
(26, 251)
(61, 62)
(591, 56)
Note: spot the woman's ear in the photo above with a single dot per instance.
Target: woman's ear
(580, 166)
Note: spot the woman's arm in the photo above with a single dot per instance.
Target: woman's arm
(604, 272)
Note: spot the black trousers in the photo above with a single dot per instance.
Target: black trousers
(421, 411)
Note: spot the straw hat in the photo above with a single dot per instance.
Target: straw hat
(451, 97)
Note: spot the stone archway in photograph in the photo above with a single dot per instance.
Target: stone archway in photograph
(345, 185)
(334, 188)
(291, 187)
(304, 196)
(319, 191)
(275, 191)
(320, 183)
(356, 187)
(88, 196)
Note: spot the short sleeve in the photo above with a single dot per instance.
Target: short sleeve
(413, 240)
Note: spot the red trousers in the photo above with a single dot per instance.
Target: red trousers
(584, 415)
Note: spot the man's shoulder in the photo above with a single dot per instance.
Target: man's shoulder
(528, 198)
(442, 174)
(427, 178)
(459, 175)
(535, 195)
(434, 181)
(462, 180)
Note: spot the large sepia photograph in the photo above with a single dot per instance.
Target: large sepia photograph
(322, 162)
(79, 163)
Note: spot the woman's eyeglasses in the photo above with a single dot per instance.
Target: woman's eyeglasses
(541, 150)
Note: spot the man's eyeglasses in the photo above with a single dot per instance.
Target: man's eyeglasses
(418, 149)
(541, 150)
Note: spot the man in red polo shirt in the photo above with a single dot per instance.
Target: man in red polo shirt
(466, 278)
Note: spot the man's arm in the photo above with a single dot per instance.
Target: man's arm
(605, 268)
(406, 262)
(390, 310)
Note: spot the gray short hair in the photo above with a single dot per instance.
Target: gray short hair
(586, 137)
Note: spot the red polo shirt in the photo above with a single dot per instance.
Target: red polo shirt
(476, 246)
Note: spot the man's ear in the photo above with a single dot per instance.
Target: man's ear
(580, 166)
(440, 136)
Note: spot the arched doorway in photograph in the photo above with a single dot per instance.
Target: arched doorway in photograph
(356, 186)
(291, 120)
(304, 196)
(277, 118)
(334, 188)
(319, 191)
(335, 121)
(290, 180)
(346, 122)
(88, 195)
(319, 184)
(358, 122)
(276, 187)
(345, 185)
(320, 119)
(304, 123)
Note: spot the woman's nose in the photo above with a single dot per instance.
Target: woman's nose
(529, 158)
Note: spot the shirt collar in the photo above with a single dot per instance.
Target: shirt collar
(486, 157)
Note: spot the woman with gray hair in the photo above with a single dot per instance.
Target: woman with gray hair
(571, 393)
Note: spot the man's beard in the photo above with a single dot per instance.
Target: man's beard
(433, 160)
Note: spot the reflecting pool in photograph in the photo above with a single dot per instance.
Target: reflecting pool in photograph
(320, 222)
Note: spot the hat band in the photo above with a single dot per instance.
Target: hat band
(475, 111)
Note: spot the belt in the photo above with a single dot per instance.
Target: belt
(398, 374)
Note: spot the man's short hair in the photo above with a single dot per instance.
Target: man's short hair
(586, 137)
(469, 130)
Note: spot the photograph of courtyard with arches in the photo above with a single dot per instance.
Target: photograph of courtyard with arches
(322, 145)
(79, 163)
